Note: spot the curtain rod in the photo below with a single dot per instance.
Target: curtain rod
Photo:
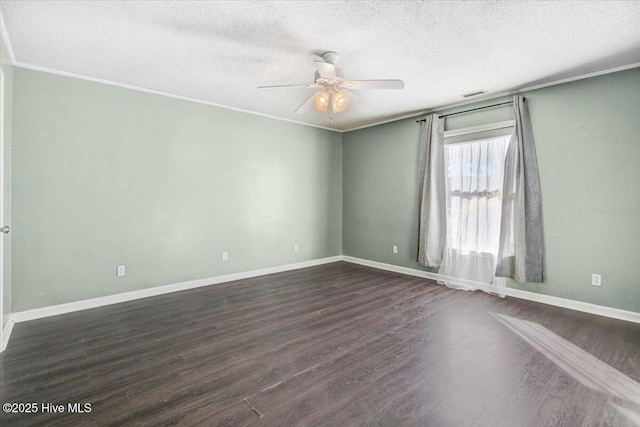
(468, 111)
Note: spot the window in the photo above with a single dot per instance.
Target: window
(474, 173)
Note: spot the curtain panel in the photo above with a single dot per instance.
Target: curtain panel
(432, 193)
(520, 254)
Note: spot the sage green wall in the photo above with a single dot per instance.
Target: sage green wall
(588, 145)
(104, 176)
(7, 68)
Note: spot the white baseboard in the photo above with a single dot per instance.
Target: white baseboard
(417, 273)
(6, 334)
(54, 310)
(585, 307)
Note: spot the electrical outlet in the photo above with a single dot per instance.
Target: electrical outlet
(395, 249)
(225, 256)
(120, 271)
(296, 248)
(596, 280)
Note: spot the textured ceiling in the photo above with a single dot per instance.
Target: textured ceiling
(221, 51)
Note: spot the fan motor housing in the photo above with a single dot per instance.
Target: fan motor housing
(330, 57)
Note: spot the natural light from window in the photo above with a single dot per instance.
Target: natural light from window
(474, 165)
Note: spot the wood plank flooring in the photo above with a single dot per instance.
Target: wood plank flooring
(333, 345)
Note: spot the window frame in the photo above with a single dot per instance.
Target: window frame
(470, 135)
(478, 129)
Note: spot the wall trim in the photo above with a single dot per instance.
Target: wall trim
(6, 333)
(161, 93)
(7, 42)
(417, 273)
(487, 97)
(414, 114)
(54, 310)
(500, 94)
(585, 307)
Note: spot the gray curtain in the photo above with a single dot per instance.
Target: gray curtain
(432, 193)
(520, 252)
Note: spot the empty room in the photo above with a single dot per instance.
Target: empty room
(320, 213)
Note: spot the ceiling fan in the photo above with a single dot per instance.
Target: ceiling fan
(334, 93)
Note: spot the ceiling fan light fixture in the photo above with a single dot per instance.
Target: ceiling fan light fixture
(334, 95)
(340, 102)
(321, 101)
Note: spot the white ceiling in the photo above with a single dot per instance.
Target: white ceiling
(220, 52)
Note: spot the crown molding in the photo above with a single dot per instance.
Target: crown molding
(7, 42)
(377, 123)
(14, 62)
(509, 92)
(486, 97)
(161, 93)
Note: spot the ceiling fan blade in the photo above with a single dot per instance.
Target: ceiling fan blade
(373, 84)
(359, 103)
(306, 106)
(307, 86)
(325, 69)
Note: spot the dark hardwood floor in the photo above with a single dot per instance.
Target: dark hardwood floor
(338, 344)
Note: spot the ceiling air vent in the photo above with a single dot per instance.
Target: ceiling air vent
(469, 95)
